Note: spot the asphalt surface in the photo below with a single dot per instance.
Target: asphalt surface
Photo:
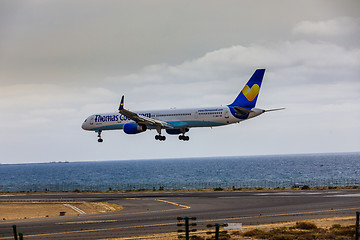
(157, 212)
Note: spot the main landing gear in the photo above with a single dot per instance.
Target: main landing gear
(99, 136)
(184, 138)
(160, 137)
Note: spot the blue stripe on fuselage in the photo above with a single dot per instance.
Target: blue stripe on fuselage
(176, 124)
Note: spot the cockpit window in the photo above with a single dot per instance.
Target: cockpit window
(85, 120)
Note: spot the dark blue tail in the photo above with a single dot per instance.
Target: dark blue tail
(248, 96)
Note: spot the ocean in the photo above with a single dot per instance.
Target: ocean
(335, 169)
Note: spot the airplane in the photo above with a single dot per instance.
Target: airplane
(179, 121)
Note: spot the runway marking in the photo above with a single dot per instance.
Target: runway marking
(112, 213)
(174, 223)
(281, 214)
(346, 195)
(176, 204)
(85, 222)
(75, 208)
(92, 230)
(159, 200)
(107, 207)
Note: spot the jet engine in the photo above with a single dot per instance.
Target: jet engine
(134, 128)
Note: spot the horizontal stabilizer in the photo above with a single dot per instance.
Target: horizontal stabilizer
(275, 109)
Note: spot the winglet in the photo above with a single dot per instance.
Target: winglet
(121, 107)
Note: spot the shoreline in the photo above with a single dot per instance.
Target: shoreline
(219, 189)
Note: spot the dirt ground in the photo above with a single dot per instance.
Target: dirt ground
(321, 223)
(11, 211)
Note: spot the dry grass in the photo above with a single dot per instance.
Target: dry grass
(329, 228)
(12, 211)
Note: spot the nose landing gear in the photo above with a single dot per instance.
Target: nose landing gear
(99, 136)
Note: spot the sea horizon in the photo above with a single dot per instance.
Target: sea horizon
(264, 171)
(180, 158)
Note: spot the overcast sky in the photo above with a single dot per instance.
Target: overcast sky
(61, 61)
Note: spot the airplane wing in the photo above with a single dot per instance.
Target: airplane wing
(140, 119)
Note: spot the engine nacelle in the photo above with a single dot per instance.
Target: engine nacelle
(176, 131)
(134, 128)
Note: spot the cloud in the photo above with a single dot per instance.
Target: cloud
(316, 82)
(208, 80)
(342, 26)
(219, 72)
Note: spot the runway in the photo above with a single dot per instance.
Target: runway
(156, 212)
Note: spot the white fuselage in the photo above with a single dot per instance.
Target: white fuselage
(178, 118)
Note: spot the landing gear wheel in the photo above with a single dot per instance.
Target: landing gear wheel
(184, 138)
(159, 137)
(99, 136)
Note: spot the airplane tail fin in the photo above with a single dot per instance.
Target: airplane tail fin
(248, 96)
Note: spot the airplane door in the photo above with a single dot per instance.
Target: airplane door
(92, 121)
(196, 115)
(226, 114)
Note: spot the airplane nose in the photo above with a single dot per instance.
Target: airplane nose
(85, 125)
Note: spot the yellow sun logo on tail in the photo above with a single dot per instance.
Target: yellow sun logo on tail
(251, 93)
